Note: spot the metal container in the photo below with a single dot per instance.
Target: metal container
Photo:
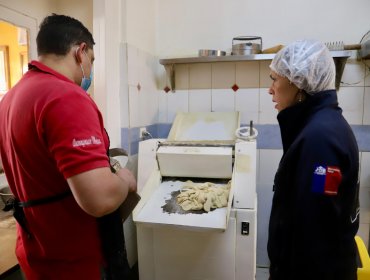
(246, 48)
(211, 53)
(5, 194)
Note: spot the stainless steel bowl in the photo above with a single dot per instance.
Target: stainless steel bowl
(5, 194)
(211, 53)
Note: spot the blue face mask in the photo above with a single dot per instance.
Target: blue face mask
(86, 82)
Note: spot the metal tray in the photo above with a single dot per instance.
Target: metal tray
(158, 209)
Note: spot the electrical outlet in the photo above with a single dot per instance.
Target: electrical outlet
(142, 132)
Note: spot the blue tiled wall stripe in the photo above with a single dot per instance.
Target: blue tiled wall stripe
(268, 136)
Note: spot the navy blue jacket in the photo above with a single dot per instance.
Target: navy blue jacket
(314, 215)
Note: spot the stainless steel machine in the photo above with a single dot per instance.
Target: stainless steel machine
(197, 245)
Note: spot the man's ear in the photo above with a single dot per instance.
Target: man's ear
(80, 52)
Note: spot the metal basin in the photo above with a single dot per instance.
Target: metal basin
(211, 53)
(5, 193)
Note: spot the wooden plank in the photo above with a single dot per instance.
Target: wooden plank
(8, 237)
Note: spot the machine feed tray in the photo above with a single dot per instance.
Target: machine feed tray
(161, 209)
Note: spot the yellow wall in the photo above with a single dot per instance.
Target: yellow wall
(9, 37)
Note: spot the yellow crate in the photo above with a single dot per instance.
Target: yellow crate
(363, 273)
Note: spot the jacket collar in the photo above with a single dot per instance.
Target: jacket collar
(293, 119)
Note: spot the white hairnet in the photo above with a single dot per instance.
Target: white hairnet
(306, 63)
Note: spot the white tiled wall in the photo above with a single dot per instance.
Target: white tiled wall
(134, 111)
(162, 106)
(366, 120)
(143, 106)
(267, 113)
(200, 100)
(351, 100)
(132, 65)
(143, 96)
(247, 103)
(367, 73)
(223, 100)
(364, 230)
(209, 88)
(147, 68)
(353, 73)
(148, 106)
(247, 74)
(223, 73)
(177, 102)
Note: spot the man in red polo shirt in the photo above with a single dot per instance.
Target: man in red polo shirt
(53, 149)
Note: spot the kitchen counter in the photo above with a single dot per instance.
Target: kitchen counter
(8, 237)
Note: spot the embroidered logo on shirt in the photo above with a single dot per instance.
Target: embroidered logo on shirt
(326, 179)
(86, 142)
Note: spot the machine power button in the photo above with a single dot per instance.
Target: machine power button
(245, 228)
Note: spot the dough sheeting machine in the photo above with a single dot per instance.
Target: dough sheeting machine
(219, 244)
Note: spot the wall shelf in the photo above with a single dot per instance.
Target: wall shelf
(340, 59)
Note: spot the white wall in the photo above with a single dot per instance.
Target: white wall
(141, 24)
(81, 10)
(186, 26)
(36, 9)
(109, 30)
(142, 62)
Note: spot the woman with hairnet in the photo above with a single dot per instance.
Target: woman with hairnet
(314, 215)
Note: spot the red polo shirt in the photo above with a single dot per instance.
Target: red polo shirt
(50, 130)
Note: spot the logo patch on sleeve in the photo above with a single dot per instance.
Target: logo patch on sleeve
(326, 179)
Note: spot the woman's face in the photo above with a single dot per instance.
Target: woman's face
(283, 92)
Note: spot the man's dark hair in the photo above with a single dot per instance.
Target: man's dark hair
(58, 33)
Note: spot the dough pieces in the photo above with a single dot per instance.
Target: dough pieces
(203, 196)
